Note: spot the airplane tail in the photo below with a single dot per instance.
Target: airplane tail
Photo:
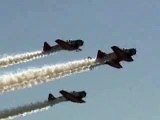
(100, 55)
(51, 97)
(46, 47)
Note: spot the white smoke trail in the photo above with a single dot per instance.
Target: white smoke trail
(20, 58)
(29, 109)
(35, 76)
(25, 57)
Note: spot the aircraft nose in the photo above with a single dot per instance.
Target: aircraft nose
(83, 93)
(133, 51)
(82, 42)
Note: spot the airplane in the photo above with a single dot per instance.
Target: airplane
(113, 59)
(70, 96)
(74, 96)
(69, 45)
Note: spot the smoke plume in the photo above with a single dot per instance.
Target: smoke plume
(29, 109)
(35, 76)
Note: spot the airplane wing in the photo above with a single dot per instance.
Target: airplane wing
(126, 55)
(63, 44)
(115, 64)
(116, 49)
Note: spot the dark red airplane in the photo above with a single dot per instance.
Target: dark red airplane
(113, 59)
(71, 96)
(74, 96)
(69, 45)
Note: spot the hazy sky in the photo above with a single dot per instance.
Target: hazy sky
(131, 93)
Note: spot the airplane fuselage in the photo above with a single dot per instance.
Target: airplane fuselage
(74, 44)
(116, 57)
(70, 44)
(53, 49)
(109, 57)
(74, 97)
(112, 58)
(80, 94)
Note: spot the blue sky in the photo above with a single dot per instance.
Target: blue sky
(131, 93)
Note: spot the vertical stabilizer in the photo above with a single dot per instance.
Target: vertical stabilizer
(51, 97)
(46, 47)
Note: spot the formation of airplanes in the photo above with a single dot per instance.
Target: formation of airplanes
(73, 96)
(113, 59)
